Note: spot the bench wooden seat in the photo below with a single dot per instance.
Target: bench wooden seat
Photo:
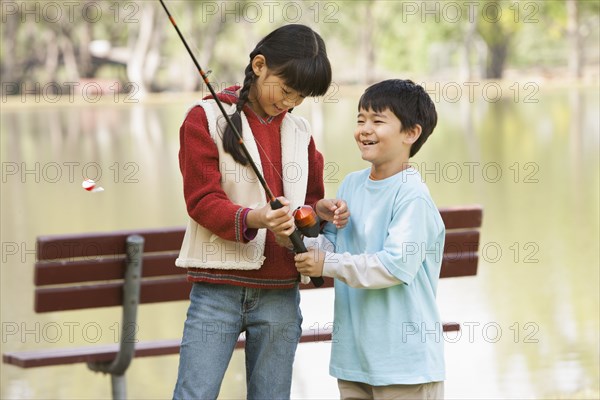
(99, 270)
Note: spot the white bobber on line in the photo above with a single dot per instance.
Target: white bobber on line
(90, 186)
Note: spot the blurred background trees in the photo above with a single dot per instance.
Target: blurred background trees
(131, 42)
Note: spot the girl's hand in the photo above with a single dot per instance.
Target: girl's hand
(333, 210)
(310, 263)
(279, 221)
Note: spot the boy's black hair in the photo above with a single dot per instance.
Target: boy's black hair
(296, 54)
(408, 101)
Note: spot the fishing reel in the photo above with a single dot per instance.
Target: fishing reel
(306, 221)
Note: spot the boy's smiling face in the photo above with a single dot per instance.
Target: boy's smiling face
(378, 135)
(382, 141)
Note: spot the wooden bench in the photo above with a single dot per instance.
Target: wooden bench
(127, 268)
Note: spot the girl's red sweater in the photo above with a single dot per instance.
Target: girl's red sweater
(210, 207)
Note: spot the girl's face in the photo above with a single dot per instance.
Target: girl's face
(269, 95)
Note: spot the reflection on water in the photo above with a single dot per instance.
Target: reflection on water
(530, 317)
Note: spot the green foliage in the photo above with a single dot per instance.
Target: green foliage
(496, 23)
(395, 36)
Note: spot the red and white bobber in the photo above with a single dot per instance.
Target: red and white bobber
(90, 186)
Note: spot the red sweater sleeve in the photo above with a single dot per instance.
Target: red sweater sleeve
(206, 201)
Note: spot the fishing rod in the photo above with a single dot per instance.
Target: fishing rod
(295, 237)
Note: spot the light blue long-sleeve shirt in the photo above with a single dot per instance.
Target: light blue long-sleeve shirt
(387, 330)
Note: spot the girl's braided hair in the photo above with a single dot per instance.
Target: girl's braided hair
(297, 55)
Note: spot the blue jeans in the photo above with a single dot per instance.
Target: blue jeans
(216, 316)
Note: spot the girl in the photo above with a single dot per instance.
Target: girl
(244, 280)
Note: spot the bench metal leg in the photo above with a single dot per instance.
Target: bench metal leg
(119, 387)
(131, 299)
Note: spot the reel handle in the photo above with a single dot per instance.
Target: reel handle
(299, 247)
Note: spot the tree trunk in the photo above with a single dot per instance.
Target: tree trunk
(366, 34)
(85, 58)
(203, 40)
(153, 55)
(496, 60)
(497, 35)
(66, 46)
(139, 50)
(468, 47)
(8, 65)
(52, 54)
(575, 50)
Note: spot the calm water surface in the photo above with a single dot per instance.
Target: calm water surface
(530, 317)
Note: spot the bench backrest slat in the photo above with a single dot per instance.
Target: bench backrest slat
(462, 217)
(102, 269)
(175, 288)
(94, 245)
(108, 294)
(86, 271)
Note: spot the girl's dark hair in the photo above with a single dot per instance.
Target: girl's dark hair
(408, 101)
(297, 55)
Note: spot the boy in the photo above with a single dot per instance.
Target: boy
(388, 335)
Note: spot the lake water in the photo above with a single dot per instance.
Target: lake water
(530, 317)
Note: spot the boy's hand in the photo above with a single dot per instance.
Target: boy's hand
(310, 263)
(280, 221)
(333, 210)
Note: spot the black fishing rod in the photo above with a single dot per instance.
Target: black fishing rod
(295, 237)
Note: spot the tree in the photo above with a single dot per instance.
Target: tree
(575, 53)
(144, 47)
(497, 25)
